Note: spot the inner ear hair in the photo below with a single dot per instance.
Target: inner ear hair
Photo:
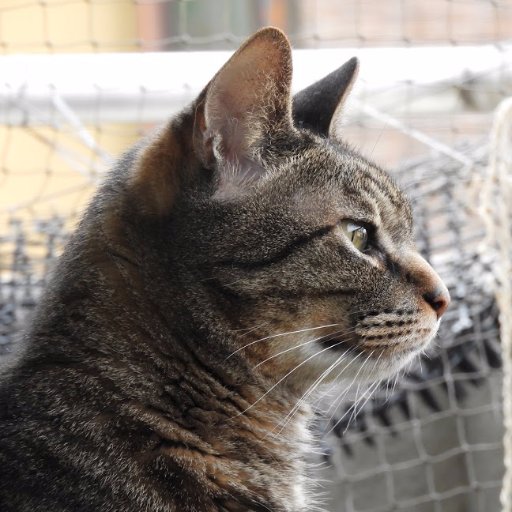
(238, 111)
(246, 100)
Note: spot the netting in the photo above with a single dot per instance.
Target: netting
(433, 439)
(497, 209)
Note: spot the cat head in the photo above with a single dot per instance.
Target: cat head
(298, 251)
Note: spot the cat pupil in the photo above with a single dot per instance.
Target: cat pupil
(359, 238)
(357, 234)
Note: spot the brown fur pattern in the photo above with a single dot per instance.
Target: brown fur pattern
(207, 293)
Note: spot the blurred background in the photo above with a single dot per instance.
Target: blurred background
(81, 80)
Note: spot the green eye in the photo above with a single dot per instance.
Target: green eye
(356, 233)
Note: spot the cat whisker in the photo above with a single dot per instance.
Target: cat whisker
(336, 382)
(319, 380)
(339, 400)
(281, 334)
(398, 376)
(286, 351)
(339, 374)
(388, 384)
(426, 354)
(356, 312)
(249, 329)
(348, 411)
(355, 406)
(269, 337)
(317, 383)
(310, 390)
(350, 331)
(296, 407)
(359, 405)
(302, 363)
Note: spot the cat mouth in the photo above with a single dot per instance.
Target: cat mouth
(392, 343)
(339, 342)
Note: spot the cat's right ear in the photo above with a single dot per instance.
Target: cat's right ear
(319, 106)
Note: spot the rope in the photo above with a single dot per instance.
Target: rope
(497, 211)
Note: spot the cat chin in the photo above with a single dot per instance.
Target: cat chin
(390, 366)
(389, 362)
(366, 364)
(367, 370)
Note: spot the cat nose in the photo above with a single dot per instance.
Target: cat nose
(438, 299)
(428, 283)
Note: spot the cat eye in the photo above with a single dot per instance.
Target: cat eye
(356, 233)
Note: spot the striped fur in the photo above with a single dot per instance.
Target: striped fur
(205, 297)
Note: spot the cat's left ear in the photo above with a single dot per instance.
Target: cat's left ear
(244, 108)
(319, 106)
(246, 105)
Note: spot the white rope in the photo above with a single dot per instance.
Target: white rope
(80, 131)
(497, 211)
(418, 135)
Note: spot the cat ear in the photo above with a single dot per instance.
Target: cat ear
(318, 107)
(246, 103)
(244, 107)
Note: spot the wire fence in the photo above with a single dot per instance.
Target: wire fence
(429, 441)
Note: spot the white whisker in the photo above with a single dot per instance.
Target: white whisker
(288, 350)
(356, 409)
(288, 374)
(338, 400)
(357, 400)
(281, 334)
(310, 390)
(350, 331)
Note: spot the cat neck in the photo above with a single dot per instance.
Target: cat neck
(182, 399)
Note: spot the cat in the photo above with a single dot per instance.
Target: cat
(230, 265)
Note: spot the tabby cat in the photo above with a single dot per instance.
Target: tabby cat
(229, 265)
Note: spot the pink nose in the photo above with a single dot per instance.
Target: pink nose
(439, 299)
